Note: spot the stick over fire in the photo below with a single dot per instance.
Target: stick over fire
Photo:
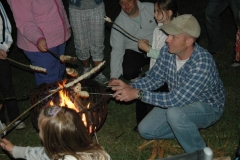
(107, 19)
(52, 92)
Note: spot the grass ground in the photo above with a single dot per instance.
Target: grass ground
(222, 137)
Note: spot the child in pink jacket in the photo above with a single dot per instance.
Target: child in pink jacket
(42, 25)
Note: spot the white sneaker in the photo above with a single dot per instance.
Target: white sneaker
(2, 126)
(19, 125)
(85, 70)
(235, 63)
(100, 78)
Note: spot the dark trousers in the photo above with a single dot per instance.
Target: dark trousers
(7, 90)
(142, 109)
(132, 63)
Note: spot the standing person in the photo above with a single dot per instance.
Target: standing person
(137, 19)
(62, 127)
(196, 94)
(42, 25)
(6, 85)
(164, 12)
(236, 62)
(212, 13)
(87, 21)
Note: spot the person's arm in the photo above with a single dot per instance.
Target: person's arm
(6, 41)
(24, 18)
(118, 50)
(153, 53)
(28, 153)
(3, 54)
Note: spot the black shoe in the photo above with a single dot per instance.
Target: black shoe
(135, 129)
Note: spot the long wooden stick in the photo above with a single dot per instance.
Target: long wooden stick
(110, 21)
(16, 119)
(53, 92)
(36, 68)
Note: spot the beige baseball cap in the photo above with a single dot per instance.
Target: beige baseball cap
(183, 24)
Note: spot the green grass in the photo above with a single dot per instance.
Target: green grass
(222, 137)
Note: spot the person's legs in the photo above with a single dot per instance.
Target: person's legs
(97, 35)
(212, 13)
(7, 90)
(186, 121)
(55, 69)
(235, 7)
(155, 126)
(80, 26)
(132, 63)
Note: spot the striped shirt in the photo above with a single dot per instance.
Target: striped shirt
(196, 81)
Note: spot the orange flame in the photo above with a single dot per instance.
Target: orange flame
(65, 100)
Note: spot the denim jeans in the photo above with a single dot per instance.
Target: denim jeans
(55, 69)
(212, 12)
(182, 123)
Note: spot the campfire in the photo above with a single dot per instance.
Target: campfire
(92, 109)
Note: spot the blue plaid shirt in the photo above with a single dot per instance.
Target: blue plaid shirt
(196, 81)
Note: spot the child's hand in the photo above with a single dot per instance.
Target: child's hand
(42, 45)
(7, 145)
(3, 54)
(143, 44)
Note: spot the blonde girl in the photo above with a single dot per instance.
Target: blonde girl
(63, 136)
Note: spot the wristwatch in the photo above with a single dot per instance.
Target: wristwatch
(140, 94)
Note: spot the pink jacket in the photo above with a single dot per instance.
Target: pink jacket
(40, 18)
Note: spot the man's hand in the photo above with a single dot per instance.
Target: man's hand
(143, 44)
(126, 94)
(3, 54)
(111, 80)
(7, 145)
(42, 45)
(118, 84)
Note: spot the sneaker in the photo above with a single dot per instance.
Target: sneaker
(100, 78)
(2, 126)
(235, 63)
(85, 70)
(19, 125)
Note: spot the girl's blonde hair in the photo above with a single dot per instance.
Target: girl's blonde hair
(166, 5)
(63, 133)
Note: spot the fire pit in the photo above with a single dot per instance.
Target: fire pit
(92, 110)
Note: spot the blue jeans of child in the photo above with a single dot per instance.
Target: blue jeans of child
(182, 123)
(55, 69)
(212, 12)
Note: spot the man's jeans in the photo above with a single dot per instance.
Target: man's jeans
(182, 123)
(212, 12)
